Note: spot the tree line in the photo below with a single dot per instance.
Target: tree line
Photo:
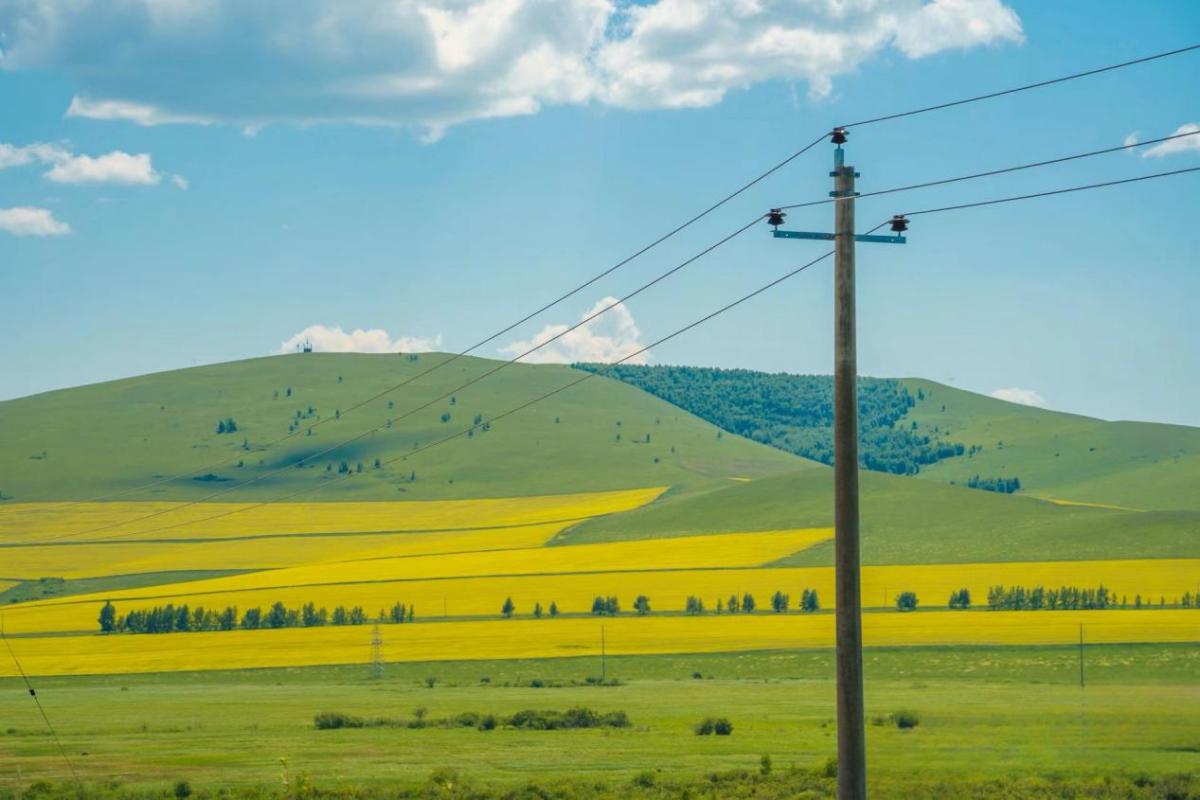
(610, 605)
(795, 412)
(170, 618)
(1035, 598)
(1002, 485)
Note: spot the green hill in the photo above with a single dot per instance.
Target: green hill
(113, 437)
(1139, 465)
(116, 437)
(918, 427)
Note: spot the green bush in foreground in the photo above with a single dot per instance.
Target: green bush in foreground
(814, 784)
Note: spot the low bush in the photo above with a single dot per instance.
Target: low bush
(329, 720)
(905, 720)
(718, 726)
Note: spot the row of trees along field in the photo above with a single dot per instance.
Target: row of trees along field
(174, 619)
(610, 606)
(795, 412)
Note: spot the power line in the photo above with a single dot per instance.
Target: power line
(678, 229)
(591, 281)
(999, 200)
(445, 362)
(1024, 88)
(680, 331)
(38, 702)
(502, 365)
(992, 172)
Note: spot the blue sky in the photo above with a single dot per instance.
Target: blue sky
(483, 161)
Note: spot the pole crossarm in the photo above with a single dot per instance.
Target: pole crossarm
(829, 237)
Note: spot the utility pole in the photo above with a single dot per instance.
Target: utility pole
(1081, 655)
(851, 710)
(376, 653)
(603, 673)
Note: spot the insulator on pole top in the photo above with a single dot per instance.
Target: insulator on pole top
(775, 217)
(899, 223)
(838, 136)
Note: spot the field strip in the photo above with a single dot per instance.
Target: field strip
(127, 558)
(505, 639)
(1058, 501)
(32, 521)
(667, 589)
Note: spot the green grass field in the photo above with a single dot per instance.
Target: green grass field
(1134, 464)
(984, 715)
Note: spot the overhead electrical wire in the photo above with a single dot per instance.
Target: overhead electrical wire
(990, 173)
(41, 709)
(492, 337)
(388, 422)
(610, 270)
(1014, 198)
(1024, 88)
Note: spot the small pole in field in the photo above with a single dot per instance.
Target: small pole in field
(603, 673)
(376, 653)
(1081, 655)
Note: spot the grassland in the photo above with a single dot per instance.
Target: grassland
(905, 521)
(114, 437)
(1063, 456)
(1006, 715)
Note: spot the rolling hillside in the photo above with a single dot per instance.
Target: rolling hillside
(1091, 489)
(113, 437)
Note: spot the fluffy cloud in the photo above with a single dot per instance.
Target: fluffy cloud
(435, 63)
(607, 338)
(1184, 145)
(332, 339)
(1025, 397)
(66, 167)
(29, 221)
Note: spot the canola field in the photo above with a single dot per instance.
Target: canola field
(24, 522)
(456, 562)
(544, 638)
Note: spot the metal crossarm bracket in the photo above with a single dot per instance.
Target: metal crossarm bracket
(828, 237)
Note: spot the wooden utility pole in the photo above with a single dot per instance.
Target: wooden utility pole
(603, 672)
(851, 711)
(1081, 655)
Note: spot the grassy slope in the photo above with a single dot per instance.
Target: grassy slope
(905, 521)
(1134, 464)
(98, 439)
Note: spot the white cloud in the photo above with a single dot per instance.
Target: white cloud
(29, 221)
(66, 167)
(115, 167)
(432, 64)
(1173, 146)
(332, 339)
(139, 113)
(1025, 397)
(1131, 139)
(605, 339)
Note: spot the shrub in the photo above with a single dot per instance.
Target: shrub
(714, 725)
(829, 769)
(905, 720)
(329, 720)
(487, 722)
(644, 779)
(183, 789)
(906, 601)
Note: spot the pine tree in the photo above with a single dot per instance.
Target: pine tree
(108, 617)
(508, 608)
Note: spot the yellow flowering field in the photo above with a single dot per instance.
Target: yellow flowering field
(273, 552)
(690, 552)
(667, 589)
(527, 638)
(34, 521)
